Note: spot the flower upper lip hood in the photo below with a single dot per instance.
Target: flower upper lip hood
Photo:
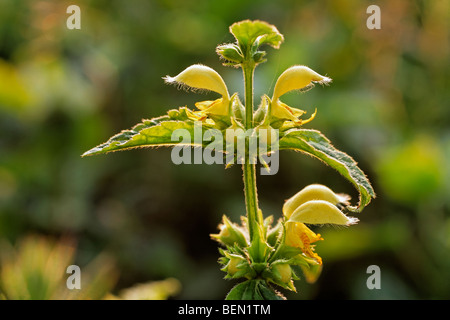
(317, 204)
(294, 78)
(313, 192)
(321, 212)
(297, 78)
(200, 77)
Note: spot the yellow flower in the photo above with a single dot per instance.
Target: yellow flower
(300, 236)
(315, 204)
(321, 212)
(200, 77)
(313, 192)
(294, 78)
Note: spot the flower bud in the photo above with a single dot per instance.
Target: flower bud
(230, 52)
(230, 234)
(312, 192)
(258, 57)
(283, 272)
(232, 266)
(321, 212)
(199, 76)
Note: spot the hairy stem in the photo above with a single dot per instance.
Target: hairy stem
(251, 195)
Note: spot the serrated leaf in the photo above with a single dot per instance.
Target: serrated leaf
(268, 293)
(157, 132)
(316, 144)
(244, 291)
(253, 290)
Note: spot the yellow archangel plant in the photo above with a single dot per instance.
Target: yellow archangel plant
(263, 254)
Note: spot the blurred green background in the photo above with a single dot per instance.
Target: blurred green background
(64, 91)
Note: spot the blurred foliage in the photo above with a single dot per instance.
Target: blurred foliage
(63, 91)
(37, 270)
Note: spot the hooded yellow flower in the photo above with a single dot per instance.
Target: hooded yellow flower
(294, 78)
(313, 192)
(315, 204)
(200, 77)
(300, 236)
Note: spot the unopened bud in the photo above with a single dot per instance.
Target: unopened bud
(232, 266)
(230, 52)
(283, 272)
(230, 234)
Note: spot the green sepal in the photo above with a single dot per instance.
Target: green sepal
(230, 234)
(274, 234)
(258, 250)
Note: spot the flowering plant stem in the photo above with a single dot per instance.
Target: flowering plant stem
(249, 169)
(262, 254)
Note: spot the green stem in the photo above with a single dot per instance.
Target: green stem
(248, 83)
(251, 195)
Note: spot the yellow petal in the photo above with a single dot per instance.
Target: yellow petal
(321, 212)
(311, 192)
(296, 112)
(203, 105)
(297, 78)
(296, 233)
(301, 121)
(219, 107)
(300, 236)
(281, 110)
(201, 77)
(196, 116)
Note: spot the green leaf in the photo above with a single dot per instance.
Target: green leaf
(314, 143)
(249, 33)
(244, 291)
(155, 133)
(267, 292)
(253, 290)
